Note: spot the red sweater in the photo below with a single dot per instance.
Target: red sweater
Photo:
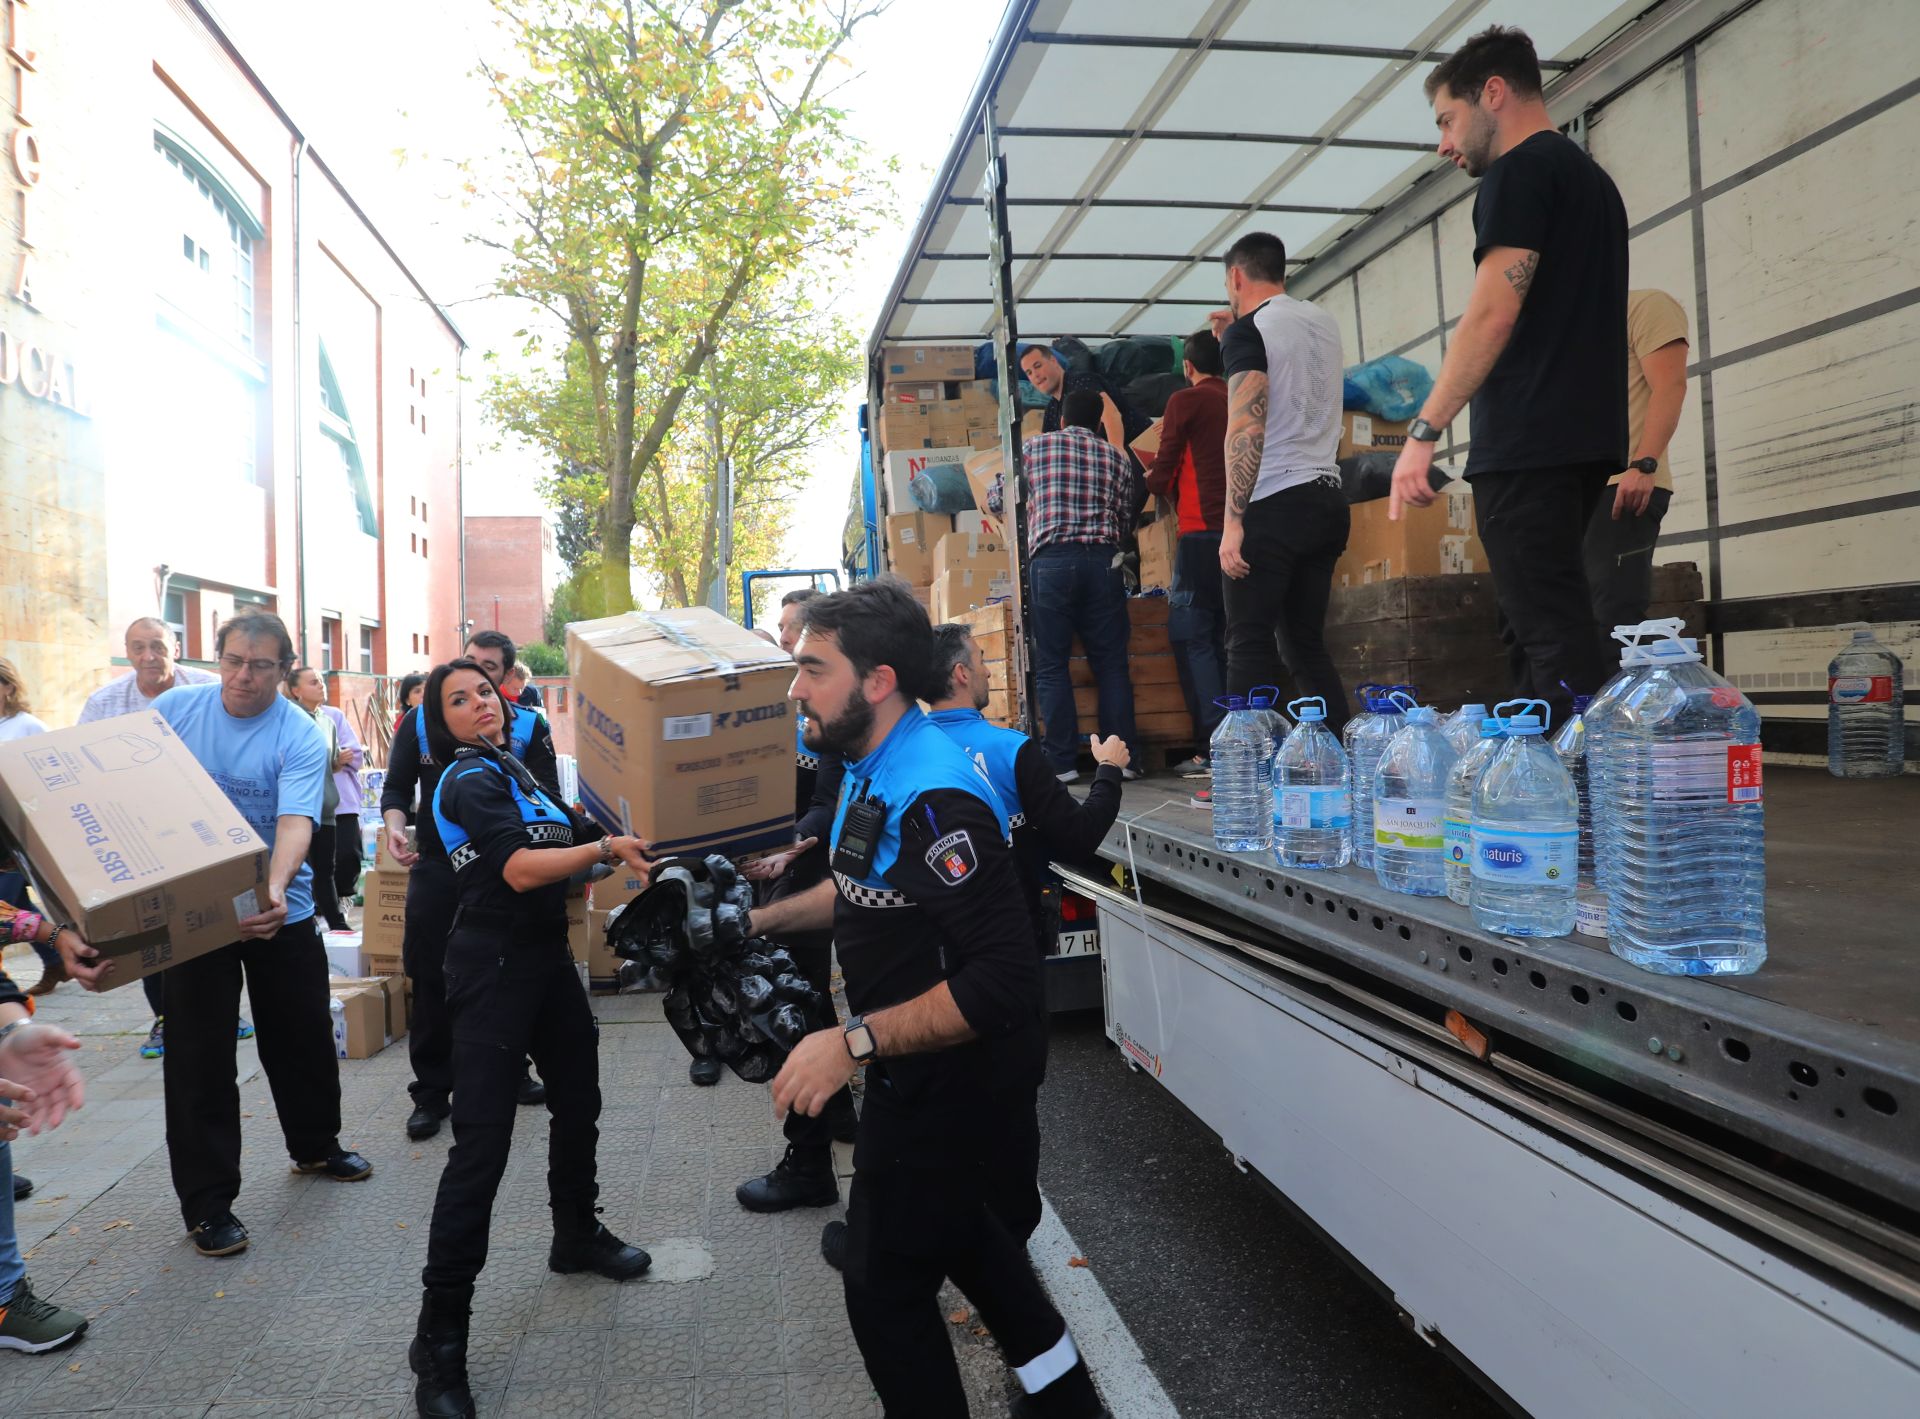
(1191, 464)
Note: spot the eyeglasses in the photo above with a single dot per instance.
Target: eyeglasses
(233, 665)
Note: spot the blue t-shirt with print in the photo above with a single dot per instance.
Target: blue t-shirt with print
(271, 764)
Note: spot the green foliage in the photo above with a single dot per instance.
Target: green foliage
(678, 163)
(578, 598)
(543, 659)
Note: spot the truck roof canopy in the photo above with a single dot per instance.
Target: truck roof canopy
(1143, 136)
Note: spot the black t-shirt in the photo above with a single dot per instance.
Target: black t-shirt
(1557, 396)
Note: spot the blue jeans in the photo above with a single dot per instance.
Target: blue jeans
(12, 1265)
(1197, 625)
(1077, 590)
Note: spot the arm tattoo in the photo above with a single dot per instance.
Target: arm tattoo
(1246, 436)
(1520, 274)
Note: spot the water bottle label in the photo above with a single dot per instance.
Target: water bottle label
(1860, 689)
(1510, 856)
(1312, 807)
(1743, 773)
(1418, 824)
(1459, 840)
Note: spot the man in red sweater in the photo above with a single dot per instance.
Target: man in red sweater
(1190, 469)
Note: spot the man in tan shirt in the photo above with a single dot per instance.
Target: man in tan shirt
(1626, 522)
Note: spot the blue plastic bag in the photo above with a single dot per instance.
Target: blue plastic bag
(1391, 387)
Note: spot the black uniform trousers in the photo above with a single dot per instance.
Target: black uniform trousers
(286, 979)
(1277, 612)
(1533, 523)
(916, 1217)
(1620, 560)
(508, 997)
(347, 848)
(812, 952)
(431, 899)
(320, 855)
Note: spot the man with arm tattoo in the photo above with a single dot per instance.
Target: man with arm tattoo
(1540, 352)
(1286, 518)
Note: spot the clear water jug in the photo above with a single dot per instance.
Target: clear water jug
(1466, 772)
(1462, 727)
(1526, 832)
(1410, 803)
(1866, 708)
(1242, 804)
(1312, 803)
(1364, 748)
(1570, 743)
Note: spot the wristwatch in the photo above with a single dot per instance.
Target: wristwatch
(1420, 431)
(607, 858)
(1648, 466)
(860, 1043)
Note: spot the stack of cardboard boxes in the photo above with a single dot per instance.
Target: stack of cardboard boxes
(1436, 540)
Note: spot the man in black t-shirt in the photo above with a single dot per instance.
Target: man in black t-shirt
(1541, 353)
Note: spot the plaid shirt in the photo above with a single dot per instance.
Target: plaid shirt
(1080, 489)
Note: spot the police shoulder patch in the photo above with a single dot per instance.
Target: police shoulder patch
(953, 859)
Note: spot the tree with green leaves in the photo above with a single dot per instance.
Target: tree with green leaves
(674, 163)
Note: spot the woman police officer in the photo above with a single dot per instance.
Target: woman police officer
(512, 991)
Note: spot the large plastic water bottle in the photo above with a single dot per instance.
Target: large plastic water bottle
(1261, 700)
(1410, 803)
(1462, 727)
(1364, 749)
(1466, 772)
(1866, 708)
(1570, 743)
(1686, 857)
(1526, 833)
(1362, 793)
(1597, 728)
(1242, 805)
(1312, 804)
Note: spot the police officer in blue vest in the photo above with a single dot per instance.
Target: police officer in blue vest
(943, 979)
(430, 885)
(1049, 823)
(512, 991)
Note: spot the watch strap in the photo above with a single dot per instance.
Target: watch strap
(1422, 432)
(859, 1022)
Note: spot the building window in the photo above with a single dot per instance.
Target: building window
(423, 426)
(426, 645)
(366, 650)
(423, 512)
(337, 424)
(330, 646)
(173, 610)
(212, 279)
(416, 642)
(423, 546)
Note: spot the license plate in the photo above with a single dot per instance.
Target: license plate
(1079, 943)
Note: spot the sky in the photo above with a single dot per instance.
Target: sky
(385, 94)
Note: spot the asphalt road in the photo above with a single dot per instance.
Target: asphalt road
(1240, 1311)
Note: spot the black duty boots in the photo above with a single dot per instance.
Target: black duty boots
(439, 1353)
(802, 1178)
(588, 1246)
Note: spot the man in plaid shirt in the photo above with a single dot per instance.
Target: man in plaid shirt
(1080, 507)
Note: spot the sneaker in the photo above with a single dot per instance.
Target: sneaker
(219, 1235)
(1070, 776)
(1202, 798)
(1196, 767)
(339, 1165)
(244, 1029)
(1129, 774)
(833, 1245)
(22, 1187)
(531, 1090)
(36, 1326)
(796, 1181)
(156, 1042)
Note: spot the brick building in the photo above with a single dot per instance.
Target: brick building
(220, 386)
(512, 568)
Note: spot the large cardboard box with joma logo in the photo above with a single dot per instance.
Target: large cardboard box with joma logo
(683, 733)
(125, 835)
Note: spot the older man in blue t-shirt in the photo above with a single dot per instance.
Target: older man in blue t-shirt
(270, 758)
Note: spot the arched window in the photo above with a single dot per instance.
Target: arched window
(208, 237)
(337, 425)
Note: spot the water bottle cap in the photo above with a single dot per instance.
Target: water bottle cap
(1473, 709)
(1523, 724)
(1310, 709)
(1862, 630)
(1526, 721)
(1230, 703)
(1423, 714)
(1675, 650)
(1580, 703)
(1402, 699)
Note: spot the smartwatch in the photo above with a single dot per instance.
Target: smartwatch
(1648, 466)
(1420, 431)
(860, 1039)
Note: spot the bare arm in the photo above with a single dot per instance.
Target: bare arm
(1666, 372)
(918, 1026)
(292, 836)
(811, 910)
(529, 868)
(1246, 439)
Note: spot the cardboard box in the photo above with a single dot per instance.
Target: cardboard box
(924, 595)
(916, 393)
(578, 926)
(594, 953)
(1436, 540)
(382, 963)
(124, 834)
(344, 954)
(385, 888)
(947, 425)
(1361, 433)
(984, 470)
(905, 427)
(965, 588)
(383, 927)
(1148, 444)
(925, 363)
(1159, 541)
(1033, 423)
(359, 1010)
(971, 552)
(911, 538)
(383, 860)
(984, 438)
(975, 523)
(902, 466)
(683, 731)
(615, 891)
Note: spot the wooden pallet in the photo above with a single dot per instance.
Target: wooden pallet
(1442, 634)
